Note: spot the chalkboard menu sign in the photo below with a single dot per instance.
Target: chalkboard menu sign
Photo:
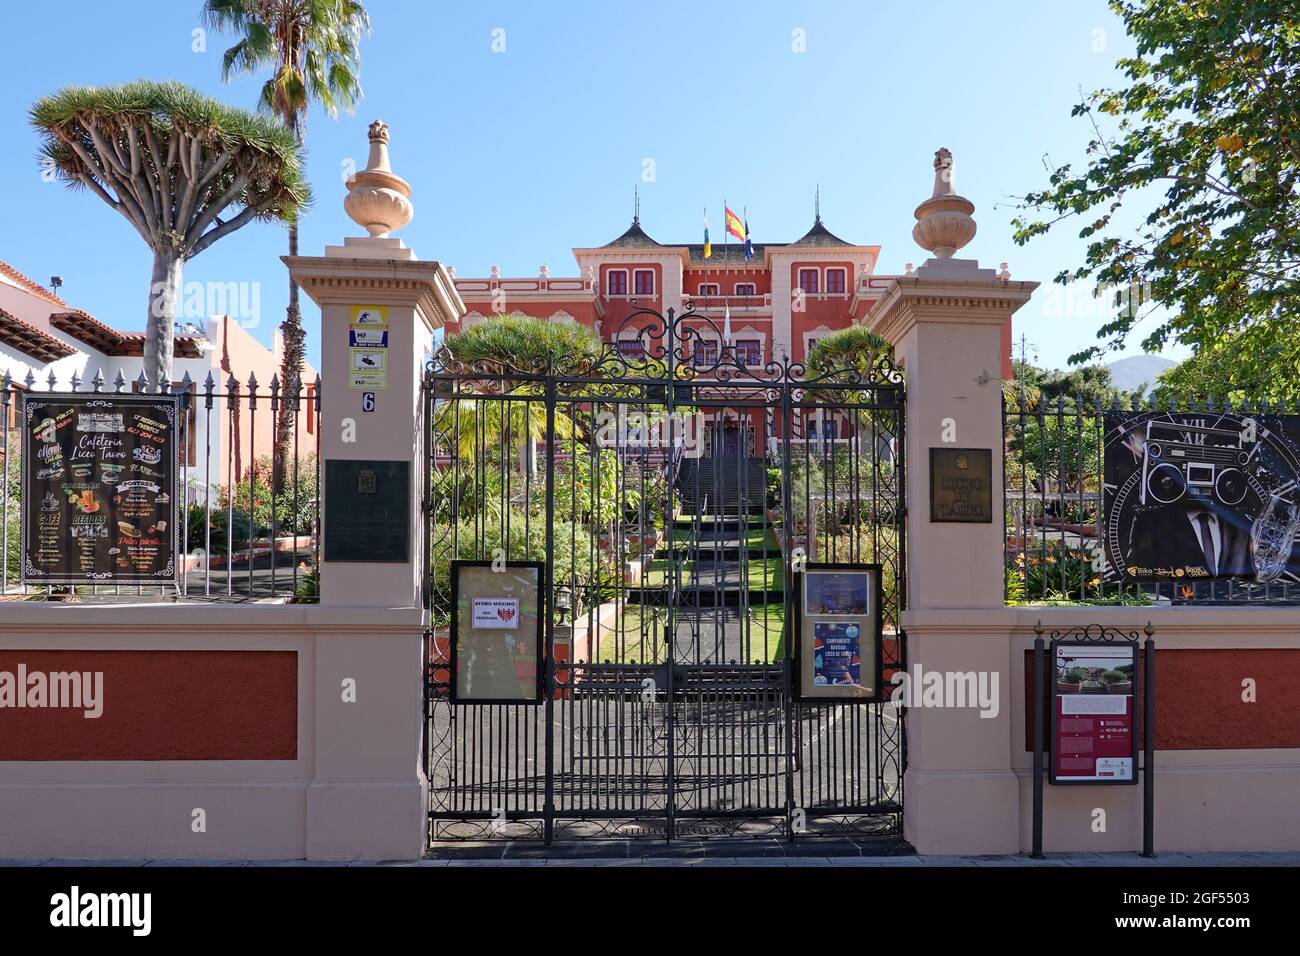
(99, 488)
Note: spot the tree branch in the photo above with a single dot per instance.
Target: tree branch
(247, 214)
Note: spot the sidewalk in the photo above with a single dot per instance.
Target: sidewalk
(562, 859)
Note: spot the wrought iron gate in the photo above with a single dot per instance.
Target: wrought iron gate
(671, 491)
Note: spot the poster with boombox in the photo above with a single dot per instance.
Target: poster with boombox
(1201, 495)
(99, 488)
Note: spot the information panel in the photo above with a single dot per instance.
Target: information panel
(1094, 724)
(838, 631)
(496, 632)
(99, 488)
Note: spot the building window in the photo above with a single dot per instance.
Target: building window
(808, 280)
(708, 288)
(629, 348)
(705, 354)
(749, 352)
(834, 280)
(645, 282)
(616, 281)
(744, 288)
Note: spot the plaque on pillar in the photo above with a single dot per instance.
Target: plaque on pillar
(961, 485)
(368, 511)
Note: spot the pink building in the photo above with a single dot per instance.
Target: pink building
(781, 300)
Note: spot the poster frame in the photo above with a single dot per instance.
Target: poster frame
(1052, 778)
(801, 647)
(178, 402)
(453, 689)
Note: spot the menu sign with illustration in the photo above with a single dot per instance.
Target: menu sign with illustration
(99, 488)
(1094, 727)
(839, 631)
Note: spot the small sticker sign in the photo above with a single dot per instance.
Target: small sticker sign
(368, 347)
(495, 613)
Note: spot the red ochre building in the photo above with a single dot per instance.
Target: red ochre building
(781, 301)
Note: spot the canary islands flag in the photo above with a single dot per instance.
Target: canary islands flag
(749, 246)
(735, 226)
(708, 246)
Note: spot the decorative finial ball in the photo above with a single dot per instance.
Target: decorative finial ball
(378, 131)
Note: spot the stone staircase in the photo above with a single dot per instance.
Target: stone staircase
(722, 486)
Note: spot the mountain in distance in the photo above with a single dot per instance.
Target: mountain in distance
(1130, 373)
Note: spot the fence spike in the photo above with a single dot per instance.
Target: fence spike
(30, 380)
(232, 384)
(76, 380)
(52, 379)
(165, 388)
(208, 385)
(187, 383)
(8, 380)
(142, 382)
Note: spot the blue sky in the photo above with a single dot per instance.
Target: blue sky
(515, 157)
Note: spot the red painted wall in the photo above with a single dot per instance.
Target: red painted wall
(1198, 699)
(162, 705)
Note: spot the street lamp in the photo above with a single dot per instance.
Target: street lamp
(563, 602)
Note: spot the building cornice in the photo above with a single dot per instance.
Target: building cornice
(336, 280)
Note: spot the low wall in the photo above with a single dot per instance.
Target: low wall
(1227, 770)
(215, 731)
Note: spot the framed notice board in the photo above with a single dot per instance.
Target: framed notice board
(497, 632)
(99, 488)
(838, 632)
(1094, 713)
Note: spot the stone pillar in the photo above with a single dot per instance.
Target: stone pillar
(379, 307)
(946, 322)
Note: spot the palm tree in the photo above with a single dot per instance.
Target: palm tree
(855, 349)
(514, 346)
(311, 49)
(520, 343)
(182, 168)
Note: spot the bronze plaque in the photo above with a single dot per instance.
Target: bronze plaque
(367, 510)
(961, 484)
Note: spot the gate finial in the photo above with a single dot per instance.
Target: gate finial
(944, 222)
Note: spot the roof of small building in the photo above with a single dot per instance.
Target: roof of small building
(30, 340)
(634, 238)
(819, 235)
(86, 328)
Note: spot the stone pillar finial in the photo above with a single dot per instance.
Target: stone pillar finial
(943, 222)
(377, 197)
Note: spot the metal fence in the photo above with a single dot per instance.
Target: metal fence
(1055, 507)
(248, 518)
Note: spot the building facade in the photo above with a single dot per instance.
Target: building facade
(773, 306)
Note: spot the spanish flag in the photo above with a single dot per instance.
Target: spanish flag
(735, 226)
(708, 246)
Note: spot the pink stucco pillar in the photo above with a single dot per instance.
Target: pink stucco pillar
(946, 324)
(379, 308)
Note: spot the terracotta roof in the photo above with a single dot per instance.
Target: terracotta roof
(30, 340)
(86, 328)
(183, 346)
(35, 288)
